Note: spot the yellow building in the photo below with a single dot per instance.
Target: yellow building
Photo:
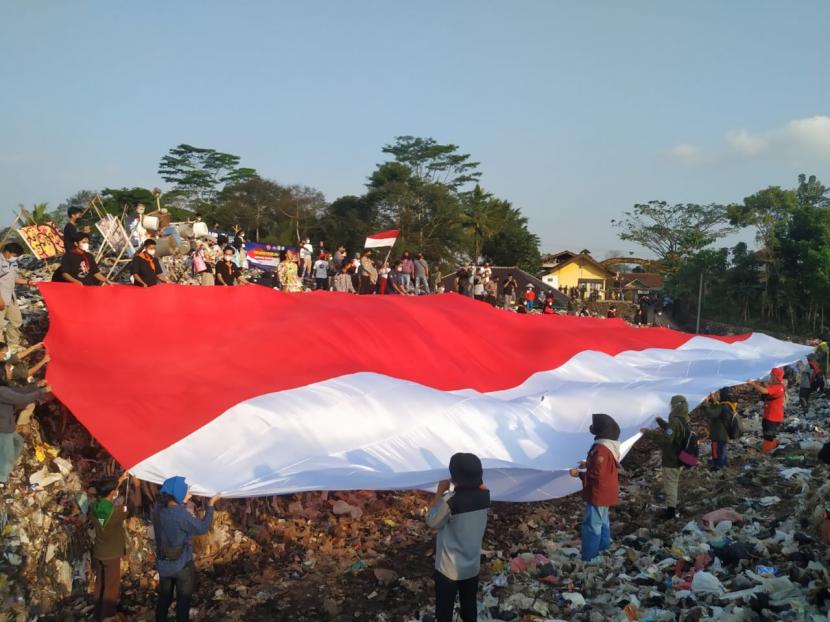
(568, 270)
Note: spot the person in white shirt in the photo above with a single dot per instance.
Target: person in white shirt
(321, 272)
(306, 251)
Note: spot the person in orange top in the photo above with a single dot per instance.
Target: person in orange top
(530, 297)
(774, 393)
(600, 485)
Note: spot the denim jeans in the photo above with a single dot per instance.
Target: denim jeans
(183, 583)
(419, 281)
(406, 282)
(596, 531)
(10, 445)
(719, 454)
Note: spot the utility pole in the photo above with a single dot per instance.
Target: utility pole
(699, 302)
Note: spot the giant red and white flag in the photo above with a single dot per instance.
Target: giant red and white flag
(250, 391)
(384, 238)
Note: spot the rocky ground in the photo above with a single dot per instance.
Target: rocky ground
(368, 556)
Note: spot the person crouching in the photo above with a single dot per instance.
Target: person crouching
(600, 485)
(460, 518)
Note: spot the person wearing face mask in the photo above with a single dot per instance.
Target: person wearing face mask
(79, 266)
(174, 528)
(227, 272)
(146, 269)
(9, 278)
(107, 515)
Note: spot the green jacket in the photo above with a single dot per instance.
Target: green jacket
(717, 415)
(822, 353)
(671, 437)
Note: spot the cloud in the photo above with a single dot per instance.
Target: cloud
(742, 141)
(689, 154)
(808, 137)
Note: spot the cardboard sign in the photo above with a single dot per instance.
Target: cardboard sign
(44, 241)
(114, 234)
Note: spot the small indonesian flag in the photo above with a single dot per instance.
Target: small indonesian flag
(384, 238)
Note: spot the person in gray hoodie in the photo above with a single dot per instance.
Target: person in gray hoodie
(460, 518)
(10, 441)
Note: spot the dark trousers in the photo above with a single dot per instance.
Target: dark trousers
(719, 454)
(107, 587)
(322, 283)
(183, 583)
(446, 591)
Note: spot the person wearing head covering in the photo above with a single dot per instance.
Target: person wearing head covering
(718, 410)
(671, 438)
(600, 484)
(107, 515)
(460, 518)
(174, 527)
(774, 392)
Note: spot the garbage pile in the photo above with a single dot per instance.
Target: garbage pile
(747, 545)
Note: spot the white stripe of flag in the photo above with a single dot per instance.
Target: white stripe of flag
(384, 238)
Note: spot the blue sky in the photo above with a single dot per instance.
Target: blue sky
(576, 110)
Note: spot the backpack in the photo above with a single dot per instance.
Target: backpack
(733, 424)
(689, 454)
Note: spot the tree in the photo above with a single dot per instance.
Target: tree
(481, 218)
(39, 213)
(811, 192)
(434, 163)
(674, 232)
(267, 210)
(514, 246)
(348, 220)
(198, 174)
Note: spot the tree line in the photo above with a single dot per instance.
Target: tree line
(784, 284)
(430, 191)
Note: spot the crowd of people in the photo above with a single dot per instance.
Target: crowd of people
(459, 510)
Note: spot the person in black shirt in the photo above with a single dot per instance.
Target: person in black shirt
(71, 232)
(227, 272)
(146, 269)
(78, 266)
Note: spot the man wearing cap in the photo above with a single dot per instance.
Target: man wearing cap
(8, 298)
(600, 485)
(174, 528)
(530, 297)
(460, 518)
(774, 392)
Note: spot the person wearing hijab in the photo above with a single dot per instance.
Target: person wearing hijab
(600, 484)
(718, 412)
(460, 518)
(107, 516)
(671, 438)
(774, 392)
(174, 527)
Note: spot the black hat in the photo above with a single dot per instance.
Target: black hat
(726, 395)
(466, 471)
(604, 426)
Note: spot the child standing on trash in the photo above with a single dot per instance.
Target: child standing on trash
(671, 438)
(460, 518)
(720, 408)
(774, 392)
(107, 515)
(600, 485)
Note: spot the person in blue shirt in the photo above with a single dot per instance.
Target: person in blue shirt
(174, 529)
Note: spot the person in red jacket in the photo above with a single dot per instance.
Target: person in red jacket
(600, 485)
(774, 393)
